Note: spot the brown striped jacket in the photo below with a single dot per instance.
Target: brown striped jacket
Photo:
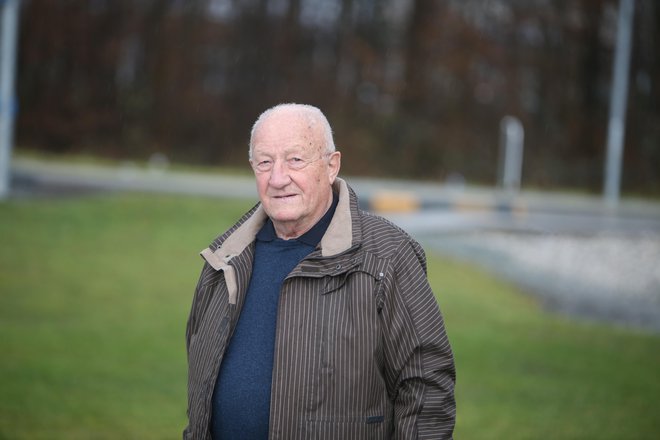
(360, 351)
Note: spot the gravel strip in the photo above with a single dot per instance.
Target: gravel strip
(608, 277)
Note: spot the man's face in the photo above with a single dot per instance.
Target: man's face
(293, 172)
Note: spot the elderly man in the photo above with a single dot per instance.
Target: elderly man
(312, 319)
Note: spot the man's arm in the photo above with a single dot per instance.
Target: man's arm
(419, 363)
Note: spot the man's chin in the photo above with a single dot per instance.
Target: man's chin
(283, 216)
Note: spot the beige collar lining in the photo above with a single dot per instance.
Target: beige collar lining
(339, 235)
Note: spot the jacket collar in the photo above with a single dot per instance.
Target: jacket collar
(341, 235)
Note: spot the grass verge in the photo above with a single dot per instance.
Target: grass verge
(94, 294)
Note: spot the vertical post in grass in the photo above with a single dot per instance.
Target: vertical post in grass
(617, 124)
(512, 137)
(8, 106)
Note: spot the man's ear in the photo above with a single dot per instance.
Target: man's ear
(334, 163)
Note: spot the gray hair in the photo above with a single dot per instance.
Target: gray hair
(312, 114)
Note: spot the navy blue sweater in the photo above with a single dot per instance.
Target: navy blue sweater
(241, 399)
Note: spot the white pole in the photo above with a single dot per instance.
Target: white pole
(512, 135)
(8, 105)
(617, 124)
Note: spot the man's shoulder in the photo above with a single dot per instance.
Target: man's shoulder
(383, 236)
(217, 242)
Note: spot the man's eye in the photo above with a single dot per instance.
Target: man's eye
(264, 165)
(296, 163)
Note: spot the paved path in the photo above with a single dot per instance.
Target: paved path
(577, 255)
(529, 209)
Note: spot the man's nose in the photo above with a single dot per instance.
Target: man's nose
(279, 175)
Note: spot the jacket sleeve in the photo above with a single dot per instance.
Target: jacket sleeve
(199, 303)
(419, 365)
(191, 328)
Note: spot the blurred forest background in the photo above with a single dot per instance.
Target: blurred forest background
(413, 88)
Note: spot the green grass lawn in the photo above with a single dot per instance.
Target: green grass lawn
(95, 291)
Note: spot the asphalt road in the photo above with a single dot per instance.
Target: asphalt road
(575, 254)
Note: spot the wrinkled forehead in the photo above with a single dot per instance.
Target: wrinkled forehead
(286, 131)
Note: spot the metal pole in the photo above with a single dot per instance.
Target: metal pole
(618, 101)
(8, 105)
(512, 135)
